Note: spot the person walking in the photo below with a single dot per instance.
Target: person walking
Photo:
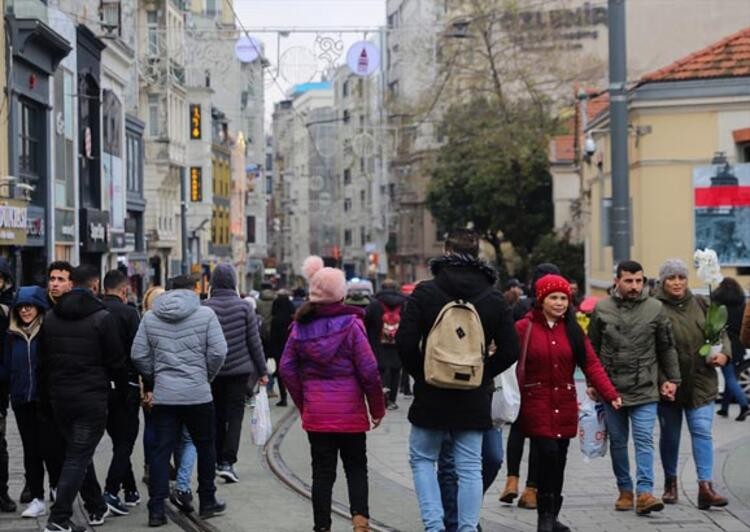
(245, 362)
(555, 345)
(147, 393)
(282, 316)
(632, 336)
(59, 280)
(81, 354)
(180, 347)
(7, 294)
(331, 373)
(463, 415)
(19, 371)
(698, 389)
(730, 294)
(382, 320)
(123, 405)
(516, 437)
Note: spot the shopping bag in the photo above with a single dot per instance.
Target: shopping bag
(506, 401)
(592, 429)
(260, 422)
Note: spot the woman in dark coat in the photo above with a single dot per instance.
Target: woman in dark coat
(282, 316)
(730, 294)
(549, 406)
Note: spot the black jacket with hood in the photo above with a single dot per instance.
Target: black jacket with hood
(7, 295)
(457, 276)
(387, 355)
(127, 321)
(80, 353)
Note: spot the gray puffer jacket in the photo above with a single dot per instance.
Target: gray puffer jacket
(245, 355)
(180, 347)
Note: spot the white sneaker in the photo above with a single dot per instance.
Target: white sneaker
(36, 508)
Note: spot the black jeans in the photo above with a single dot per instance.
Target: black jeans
(516, 440)
(82, 428)
(41, 442)
(552, 456)
(167, 421)
(229, 407)
(325, 448)
(391, 378)
(3, 454)
(122, 427)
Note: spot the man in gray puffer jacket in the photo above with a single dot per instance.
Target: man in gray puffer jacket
(245, 363)
(180, 347)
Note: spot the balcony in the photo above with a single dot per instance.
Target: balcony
(31, 9)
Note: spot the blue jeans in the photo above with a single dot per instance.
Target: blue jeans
(424, 451)
(492, 461)
(642, 418)
(699, 421)
(187, 454)
(732, 388)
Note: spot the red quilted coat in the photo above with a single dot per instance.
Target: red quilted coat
(549, 406)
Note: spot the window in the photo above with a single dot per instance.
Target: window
(348, 237)
(362, 235)
(362, 165)
(152, 28)
(345, 89)
(29, 135)
(110, 16)
(362, 198)
(251, 229)
(743, 152)
(211, 8)
(347, 204)
(361, 120)
(154, 126)
(133, 148)
(347, 176)
(347, 117)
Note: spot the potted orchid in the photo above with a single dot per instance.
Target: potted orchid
(709, 271)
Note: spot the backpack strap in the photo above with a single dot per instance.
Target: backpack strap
(473, 300)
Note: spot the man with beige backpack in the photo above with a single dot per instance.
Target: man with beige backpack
(446, 328)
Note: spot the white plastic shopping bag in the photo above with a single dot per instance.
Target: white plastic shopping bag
(592, 429)
(260, 422)
(506, 401)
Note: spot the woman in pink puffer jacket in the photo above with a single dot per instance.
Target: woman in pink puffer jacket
(332, 375)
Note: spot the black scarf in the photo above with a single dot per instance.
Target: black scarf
(462, 260)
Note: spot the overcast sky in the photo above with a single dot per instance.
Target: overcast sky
(304, 14)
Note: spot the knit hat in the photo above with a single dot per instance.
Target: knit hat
(672, 267)
(549, 284)
(327, 285)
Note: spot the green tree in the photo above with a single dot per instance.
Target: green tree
(559, 250)
(493, 171)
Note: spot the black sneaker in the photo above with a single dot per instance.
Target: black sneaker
(392, 406)
(70, 526)
(216, 507)
(6, 503)
(114, 504)
(156, 519)
(182, 499)
(97, 518)
(132, 498)
(25, 497)
(226, 471)
(282, 403)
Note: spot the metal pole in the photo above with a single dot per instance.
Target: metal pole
(183, 221)
(620, 218)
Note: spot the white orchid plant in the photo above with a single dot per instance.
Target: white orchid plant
(709, 271)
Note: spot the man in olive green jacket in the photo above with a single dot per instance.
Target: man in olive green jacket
(633, 338)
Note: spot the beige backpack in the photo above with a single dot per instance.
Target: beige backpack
(456, 347)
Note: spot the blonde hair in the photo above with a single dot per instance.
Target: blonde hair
(151, 294)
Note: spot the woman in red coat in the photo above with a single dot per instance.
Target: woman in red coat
(549, 406)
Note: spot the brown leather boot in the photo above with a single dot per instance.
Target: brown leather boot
(707, 497)
(360, 523)
(528, 499)
(647, 503)
(511, 490)
(624, 501)
(670, 491)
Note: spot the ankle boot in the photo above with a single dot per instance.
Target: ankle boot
(545, 512)
(707, 497)
(6, 503)
(528, 499)
(744, 412)
(511, 490)
(558, 526)
(360, 523)
(671, 495)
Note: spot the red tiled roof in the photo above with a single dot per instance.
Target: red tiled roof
(728, 58)
(563, 148)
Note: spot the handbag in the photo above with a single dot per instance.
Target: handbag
(506, 401)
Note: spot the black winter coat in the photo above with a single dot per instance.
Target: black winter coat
(245, 351)
(282, 316)
(438, 408)
(7, 295)
(80, 353)
(127, 321)
(387, 355)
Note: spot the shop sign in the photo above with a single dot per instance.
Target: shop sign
(196, 183)
(65, 226)
(119, 242)
(13, 224)
(35, 226)
(195, 121)
(94, 229)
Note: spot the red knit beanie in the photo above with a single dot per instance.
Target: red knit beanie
(550, 284)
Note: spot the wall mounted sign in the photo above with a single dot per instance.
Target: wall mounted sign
(196, 183)
(363, 58)
(195, 121)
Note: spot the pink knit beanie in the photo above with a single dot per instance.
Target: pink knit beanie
(327, 285)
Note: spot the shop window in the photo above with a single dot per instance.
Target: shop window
(29, 137)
